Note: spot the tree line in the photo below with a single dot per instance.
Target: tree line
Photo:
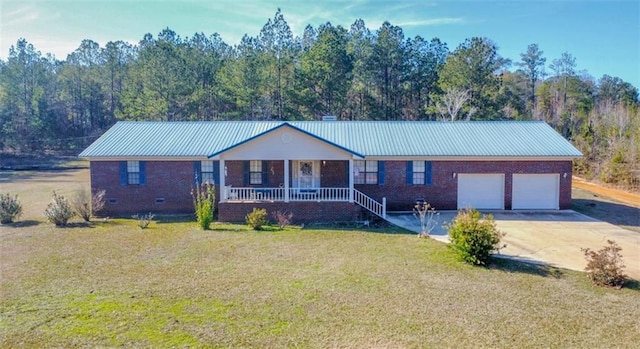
(352, 73)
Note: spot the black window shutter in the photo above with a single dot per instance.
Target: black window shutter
(245, 173)
(409, 172)
(123, 173)
(265, 172)
(143, 172)
(380, 172)
(216, 172)
(428, 173)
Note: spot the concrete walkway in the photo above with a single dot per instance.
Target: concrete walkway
(550, 237)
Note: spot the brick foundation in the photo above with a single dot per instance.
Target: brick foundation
(303, 212)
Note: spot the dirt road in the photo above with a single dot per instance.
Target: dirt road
(616, 194)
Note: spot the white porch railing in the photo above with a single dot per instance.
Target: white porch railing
(252, 194)
(278, 194)
(238, 194)
(379, 209)
(319, 194)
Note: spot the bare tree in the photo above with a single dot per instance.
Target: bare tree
(452, 102)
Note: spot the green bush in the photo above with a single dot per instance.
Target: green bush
(10, 208)
(605, 267)
(257, 218)
(473, 238)
(204, 197)
(59, 210)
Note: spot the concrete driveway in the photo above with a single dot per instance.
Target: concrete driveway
(550, 237)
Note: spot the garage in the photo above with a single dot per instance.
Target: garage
(483, 191)
(535, 191)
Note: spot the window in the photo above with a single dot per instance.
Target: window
(418, 172)
(255, 172)
(366, 172)
(133, 172)
(206, 171)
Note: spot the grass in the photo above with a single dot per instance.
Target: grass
(111, 284)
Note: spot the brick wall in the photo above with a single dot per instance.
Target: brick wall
(168, 180)
(443, 192)
(172, 181)
(303, 212)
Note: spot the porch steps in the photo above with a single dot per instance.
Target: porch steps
(379, 209)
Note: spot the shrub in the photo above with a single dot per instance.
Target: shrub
(59, 210)
(282, 218)
(10, 208)
(473, 238)
(605, 267)
(143, 220)
(257, 218)
(427, 217)
(86, 204)
(204, 197)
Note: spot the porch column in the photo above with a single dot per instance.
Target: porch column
(286, 180)
(350, 180)
(223, 174)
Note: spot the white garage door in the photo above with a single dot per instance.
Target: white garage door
(535, 192)
(481, 191)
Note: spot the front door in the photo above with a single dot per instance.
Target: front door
(305, 174)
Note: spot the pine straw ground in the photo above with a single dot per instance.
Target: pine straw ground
(111, 284)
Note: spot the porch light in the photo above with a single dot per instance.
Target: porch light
(454, 175)
(564, 175)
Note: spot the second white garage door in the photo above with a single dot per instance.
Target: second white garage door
(481, 191)
(535, 191)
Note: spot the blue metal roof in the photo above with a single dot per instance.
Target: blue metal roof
(368, 138)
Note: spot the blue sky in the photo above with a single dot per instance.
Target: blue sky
(604, 36)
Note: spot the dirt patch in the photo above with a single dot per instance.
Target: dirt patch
(607, 204)
(618, 195)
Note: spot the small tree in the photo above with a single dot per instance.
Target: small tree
(143, 220)
(204, 198)
(283, 218)
(59, 210)
(427, 217)
(10, 208)
(256, 218)
(86, 204)
(473, 238)
(605, 267)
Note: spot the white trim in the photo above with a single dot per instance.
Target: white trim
(287, 197)
(223, 175)
(351, 178)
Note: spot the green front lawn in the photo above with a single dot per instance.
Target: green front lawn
(112, 285)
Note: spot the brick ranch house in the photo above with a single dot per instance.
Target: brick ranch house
(331, 170)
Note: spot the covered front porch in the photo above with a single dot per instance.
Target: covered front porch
(294, 181)
(286, 166)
